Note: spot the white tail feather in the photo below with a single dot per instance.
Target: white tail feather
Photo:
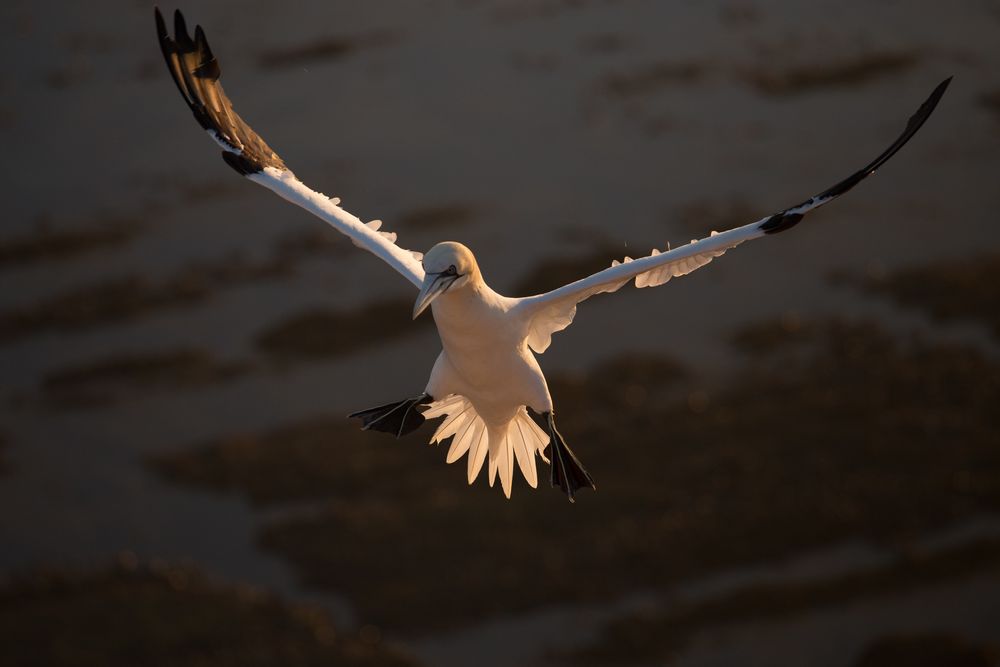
(493, 470)
(525, 453)
(505, 463)
(478, 450)
(458, 446)
(520, 440)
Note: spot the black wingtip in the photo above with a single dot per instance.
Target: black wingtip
(181, 35)
(243, 166)
(208, 66)
(938, 93)
(792, 216)
(202, 42)
(927, 108)
(780, 222)
(196, 73)
(161, 25)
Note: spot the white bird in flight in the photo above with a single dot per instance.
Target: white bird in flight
(486, 383)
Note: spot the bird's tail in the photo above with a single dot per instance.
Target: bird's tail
(519, 440)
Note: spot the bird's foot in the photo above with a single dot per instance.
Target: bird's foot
(567, 471)
(397, 418)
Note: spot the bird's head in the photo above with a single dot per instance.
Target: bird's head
(448, 267)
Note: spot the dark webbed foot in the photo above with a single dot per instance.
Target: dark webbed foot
(567, 471)
(397, 418)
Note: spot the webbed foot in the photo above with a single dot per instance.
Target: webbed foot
(397, 418)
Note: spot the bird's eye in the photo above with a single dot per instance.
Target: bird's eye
(451, 270)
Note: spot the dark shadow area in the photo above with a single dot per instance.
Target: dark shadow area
(965, 289)
(796, 79)
(650, 78)
(991, 101)
(110, 380)
(129, 298)
(317, 334)
(328, 49)
(445, 216)
(654, 637)
(159, 614)
(928, 650)
(47, 243)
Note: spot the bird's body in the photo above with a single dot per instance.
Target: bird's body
(485, 356)
(485, 359)
(486, 385)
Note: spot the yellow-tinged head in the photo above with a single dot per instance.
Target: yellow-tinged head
(448, 266)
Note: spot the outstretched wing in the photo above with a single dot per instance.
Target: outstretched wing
(196, 73)
(554, 311)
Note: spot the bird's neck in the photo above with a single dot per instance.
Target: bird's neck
(467, 305)
(474, 291)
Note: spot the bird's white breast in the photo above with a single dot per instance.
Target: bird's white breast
(485, 350)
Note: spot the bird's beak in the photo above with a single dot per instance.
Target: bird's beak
(434, 285)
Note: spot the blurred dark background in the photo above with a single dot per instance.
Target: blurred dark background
(796, 448)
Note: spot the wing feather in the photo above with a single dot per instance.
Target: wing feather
(196, 72)
(553, 311)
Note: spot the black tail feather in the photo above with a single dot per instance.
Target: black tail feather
(398, 418)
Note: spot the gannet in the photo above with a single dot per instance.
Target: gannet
(486, 384)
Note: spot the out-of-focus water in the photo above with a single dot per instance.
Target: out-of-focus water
(507, 108)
